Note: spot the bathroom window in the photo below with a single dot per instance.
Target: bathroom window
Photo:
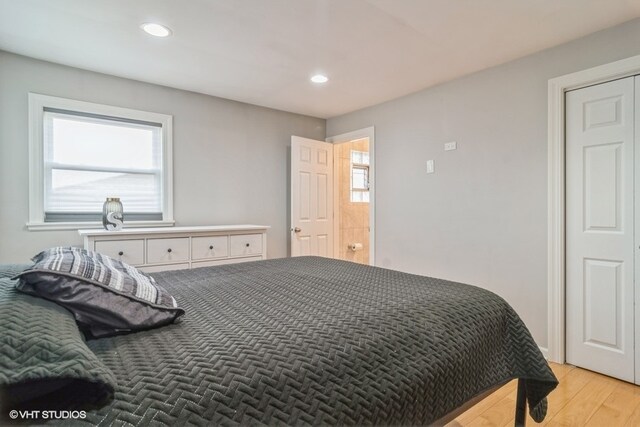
(359, 176)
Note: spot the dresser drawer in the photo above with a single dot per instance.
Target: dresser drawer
(170, 248)
(209, 247)
(167, 250)
(245, 245)
(129, 251)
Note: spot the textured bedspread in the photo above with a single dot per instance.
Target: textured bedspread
(317, 341)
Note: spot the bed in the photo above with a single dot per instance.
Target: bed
(311, 340)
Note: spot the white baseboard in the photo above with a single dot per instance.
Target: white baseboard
(545, 352)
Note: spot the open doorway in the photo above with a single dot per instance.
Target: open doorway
(353, 196)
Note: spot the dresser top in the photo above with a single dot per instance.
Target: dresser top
(169, 230)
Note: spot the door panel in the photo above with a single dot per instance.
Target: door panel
(311, 197)
(602, 112)
(303, 246)
(600, 228)
(602, 173)
(323, 190)
(603, 299)
(303, 196)
(323, 247)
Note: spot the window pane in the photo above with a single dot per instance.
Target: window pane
(87, 141)
(89, 158)
(85, 191)
(360, 157)
(360, 196)
(355, 157)
(359, 178)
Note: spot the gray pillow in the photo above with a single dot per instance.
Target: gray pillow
(106, 296)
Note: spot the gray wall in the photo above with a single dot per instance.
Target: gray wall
(481, 218)
(230, 158)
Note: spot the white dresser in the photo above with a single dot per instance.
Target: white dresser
(174, 248)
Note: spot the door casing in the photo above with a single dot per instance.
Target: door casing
(346, 137)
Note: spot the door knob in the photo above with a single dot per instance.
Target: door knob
(296, 230)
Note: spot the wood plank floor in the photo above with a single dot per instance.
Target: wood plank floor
(583, 398)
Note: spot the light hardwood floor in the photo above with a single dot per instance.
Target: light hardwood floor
(583, 398)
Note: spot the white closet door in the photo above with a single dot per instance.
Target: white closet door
(600, 228)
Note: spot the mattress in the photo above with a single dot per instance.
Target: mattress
(312, 340)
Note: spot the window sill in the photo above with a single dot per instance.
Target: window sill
(52, 226)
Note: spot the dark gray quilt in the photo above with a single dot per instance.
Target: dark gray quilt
(317, 341)
(44, 361)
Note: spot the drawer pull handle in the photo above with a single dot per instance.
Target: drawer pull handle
(247, 245)
(120, 253)
(211, 247)
(169, 250)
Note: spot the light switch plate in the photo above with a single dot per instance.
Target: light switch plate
(448, 146)
(430, 166)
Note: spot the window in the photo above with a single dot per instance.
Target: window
(82, 153)
(359, 176)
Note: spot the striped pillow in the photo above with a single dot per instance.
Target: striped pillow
(106, 296)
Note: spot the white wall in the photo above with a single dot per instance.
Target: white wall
(230, 158)
(482, 217)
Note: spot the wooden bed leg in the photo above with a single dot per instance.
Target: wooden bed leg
(521, 404)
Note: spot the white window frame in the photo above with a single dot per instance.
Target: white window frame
(355, 165)
(37, 105)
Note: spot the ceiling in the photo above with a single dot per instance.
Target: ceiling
(264, 51)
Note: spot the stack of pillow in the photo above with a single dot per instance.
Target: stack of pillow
(67, 296)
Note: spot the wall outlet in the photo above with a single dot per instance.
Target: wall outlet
(430, 166)
(448, 146)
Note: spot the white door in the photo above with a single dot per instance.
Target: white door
(311, 197)
(600, 228)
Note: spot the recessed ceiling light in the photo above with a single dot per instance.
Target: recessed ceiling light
(156, 29)
(319, 78)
